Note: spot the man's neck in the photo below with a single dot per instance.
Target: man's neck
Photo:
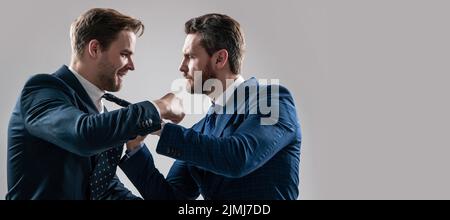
(227, 81)
(84, 71)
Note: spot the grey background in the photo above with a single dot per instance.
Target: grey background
(370, 80)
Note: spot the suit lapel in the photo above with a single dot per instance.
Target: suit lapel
(221, 122)
(67, 76)
(224, 119)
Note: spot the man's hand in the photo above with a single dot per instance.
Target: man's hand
(135, 143)
(171, 108)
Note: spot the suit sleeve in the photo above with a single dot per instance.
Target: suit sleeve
(117, 191)
(50, 113)
(247, 149)
(152, 185)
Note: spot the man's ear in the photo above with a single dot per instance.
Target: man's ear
(221, 58)
(94, 48)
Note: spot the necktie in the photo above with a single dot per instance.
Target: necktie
(107, 161)
(210, 120)
(113, 98)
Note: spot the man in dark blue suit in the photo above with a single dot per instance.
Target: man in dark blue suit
(62, 144)
(239, 150)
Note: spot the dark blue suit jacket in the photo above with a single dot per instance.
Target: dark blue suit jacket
(55, 132)
(241, 159)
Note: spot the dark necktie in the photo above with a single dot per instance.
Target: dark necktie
(113, 98)
(107, 161)
(210, 121)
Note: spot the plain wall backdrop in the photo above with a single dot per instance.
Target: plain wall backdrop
(370, 80)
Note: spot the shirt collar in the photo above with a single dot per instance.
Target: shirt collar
(225, 96)
(93, 91)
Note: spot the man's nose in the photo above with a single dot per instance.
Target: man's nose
(183, 67)
(130, 64)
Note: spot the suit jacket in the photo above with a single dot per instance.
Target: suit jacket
(55, 132)
(242, 159)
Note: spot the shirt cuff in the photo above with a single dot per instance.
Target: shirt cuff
(129, 154)
(157, 108)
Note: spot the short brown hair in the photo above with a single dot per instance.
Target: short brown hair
(102, 24)
(219, 32)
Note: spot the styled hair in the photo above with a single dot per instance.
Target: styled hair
(103, 25)
(219, 32)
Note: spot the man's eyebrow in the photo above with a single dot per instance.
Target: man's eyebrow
(127, 51)
(189, 52)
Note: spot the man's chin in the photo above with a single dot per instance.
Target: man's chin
(190, 90)
(114, 88)
(117, 88)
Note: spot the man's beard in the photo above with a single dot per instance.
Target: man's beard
(107, 77)
(196, 87)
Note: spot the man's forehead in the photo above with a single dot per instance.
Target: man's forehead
(126, 40)
(192, 43)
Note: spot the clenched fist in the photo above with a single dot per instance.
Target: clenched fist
(171, 108)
